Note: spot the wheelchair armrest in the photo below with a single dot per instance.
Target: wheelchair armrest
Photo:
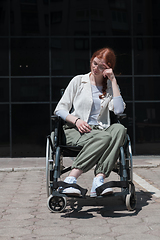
(57, 119)
(54, 117)
(121, 116)
(117, 118)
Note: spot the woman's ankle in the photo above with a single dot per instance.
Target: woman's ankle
(75, 172)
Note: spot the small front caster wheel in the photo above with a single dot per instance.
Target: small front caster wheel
(56, 204)
(131, 201)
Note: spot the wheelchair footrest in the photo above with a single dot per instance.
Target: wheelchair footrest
(120, 184)
(64, 185)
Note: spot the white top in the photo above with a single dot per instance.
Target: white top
(96, 105)
(79, 95)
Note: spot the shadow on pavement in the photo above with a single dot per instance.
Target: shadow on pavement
(107, 207)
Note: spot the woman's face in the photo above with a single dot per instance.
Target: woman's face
(98, 66)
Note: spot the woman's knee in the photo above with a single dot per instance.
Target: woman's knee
(119, 128)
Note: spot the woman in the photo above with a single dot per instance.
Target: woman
(92, 96)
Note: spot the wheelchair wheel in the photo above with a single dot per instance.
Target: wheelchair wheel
(129, 161)
(131, 201)
(56, 204)
(49, 166)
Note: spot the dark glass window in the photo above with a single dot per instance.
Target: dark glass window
(146, 17)
(30, 124)
(28, 18)
(70, 56)
(57, 85)
(29, 56)
(147, 56)
(4, 26)
(46, 2)
(147, 128)
(110, 18)
(125, 85)
(4, 57)
(69, 18)
(4, 90)
(30, 89)
(4, 130)
(122, 48)
(146, 88)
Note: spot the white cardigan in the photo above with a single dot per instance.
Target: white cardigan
(78, 95)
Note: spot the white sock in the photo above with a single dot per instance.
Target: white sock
(70, 179)
(97, 181)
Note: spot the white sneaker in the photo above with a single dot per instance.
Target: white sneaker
(71, 191)
(97, 182)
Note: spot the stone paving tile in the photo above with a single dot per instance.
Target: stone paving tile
(6, 238)
(155, 229)
(52, 222)
(84, 222)
(93, 237)
(14, 232)
(151, 175)
(92, 230)
(52, 231)
(132, 228)
(138, 236)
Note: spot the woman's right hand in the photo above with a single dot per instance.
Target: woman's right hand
(83, 126)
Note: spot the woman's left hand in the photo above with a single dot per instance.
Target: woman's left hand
(108, 72)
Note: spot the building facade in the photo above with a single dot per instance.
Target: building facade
(44, 43)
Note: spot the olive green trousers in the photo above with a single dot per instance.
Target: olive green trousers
(100, 147)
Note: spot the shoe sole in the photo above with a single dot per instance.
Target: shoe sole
(72, 192)
(104, 193)
(108, 193)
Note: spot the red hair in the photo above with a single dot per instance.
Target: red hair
(108, 55)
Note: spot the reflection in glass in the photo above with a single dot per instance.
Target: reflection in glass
(4, 90)
(110, 18)
(30, 124)
(4, 57)
(69, 18)
(29, 56)
(4, 27)
(147, 56)
(147, 88)
(146, 17)
(29, 18)
(4, 130)
(70, 56)
(57, 85)
(30, 89)
(147, 128)
(125, 84)
(122, 48)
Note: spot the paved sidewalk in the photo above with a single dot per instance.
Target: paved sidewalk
(24, 214)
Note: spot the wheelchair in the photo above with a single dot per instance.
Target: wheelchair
(56, 149)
